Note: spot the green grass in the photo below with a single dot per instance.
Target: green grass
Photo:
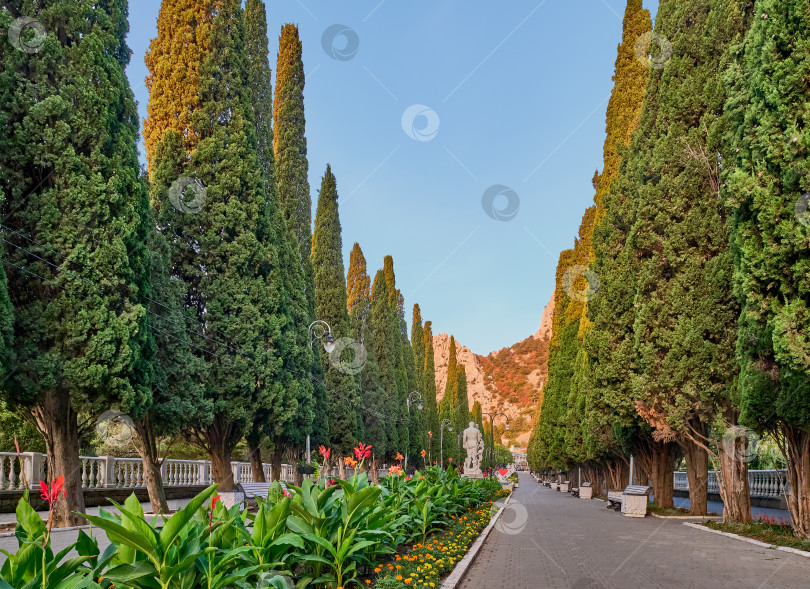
(768, 530)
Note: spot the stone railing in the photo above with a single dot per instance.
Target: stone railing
(98, 472)
(762, 483)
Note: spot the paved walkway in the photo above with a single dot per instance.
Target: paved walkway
(553, 540)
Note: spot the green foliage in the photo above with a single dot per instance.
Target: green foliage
(330, 296)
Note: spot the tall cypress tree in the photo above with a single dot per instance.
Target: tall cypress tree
(448, 406)
(766, 171)
(330, 296)
(420, 419)
(685, 310)
(238, 308)
(292, 168)
(431, 405)
(396, 304)
(174, 59)
(71, 200)
(382, 348)
(463, 408)
(287, 430)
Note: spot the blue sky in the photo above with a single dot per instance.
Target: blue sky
(517, 93)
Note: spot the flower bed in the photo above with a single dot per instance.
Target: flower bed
(324, 535)
(424, 564)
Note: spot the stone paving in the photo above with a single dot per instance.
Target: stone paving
(549, 539)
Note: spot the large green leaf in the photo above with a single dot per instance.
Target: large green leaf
(119, 534)
(180, 519)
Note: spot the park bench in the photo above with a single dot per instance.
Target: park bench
(254, 490)
(632, 501)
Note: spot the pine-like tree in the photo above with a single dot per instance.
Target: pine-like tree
(431, 404)
(382, 348)
(766, 173)
(330, 295)
(448, 406)
(396, 304)
(685, 310)
(420, 419)
(292, 168)
(462, 409)
(174, 59)
(71, 203)
(237, 309)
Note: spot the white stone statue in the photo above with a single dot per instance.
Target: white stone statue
(474, 445)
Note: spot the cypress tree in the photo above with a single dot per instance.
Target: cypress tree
(71, 203)
(462, 410)
(396, 304)
(420, 419)
(765, 169)
(429, 394)
(331, 306)
(448, 406)
(238, 308)
(288, 430)
(685, 311)
(292, 168)
(174, 59)
(382, 348)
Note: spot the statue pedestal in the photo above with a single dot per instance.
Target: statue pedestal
(473, 473)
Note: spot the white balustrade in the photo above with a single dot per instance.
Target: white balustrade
(762, 483)
(11, 477)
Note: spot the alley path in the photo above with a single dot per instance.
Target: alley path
(548, 539)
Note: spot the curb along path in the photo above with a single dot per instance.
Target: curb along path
(544, 538)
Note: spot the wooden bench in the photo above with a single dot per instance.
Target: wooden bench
(254, 490)
(614, 500)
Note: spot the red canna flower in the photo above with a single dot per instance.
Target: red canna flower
(51, 494)
(214, 500)
(325, 452)
(362, 451)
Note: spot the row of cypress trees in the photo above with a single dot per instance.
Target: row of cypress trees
(686, 335)
(183, 297)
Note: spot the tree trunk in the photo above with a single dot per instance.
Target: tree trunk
(797, 450)
(618, 473)
(56, 421)
(697, 472)
(662, 465)
(733, 479)
(276, 458)
(341, 469)
(298, 477)
(256, 465)
(374, 466)
(220, 452)
(147, 448)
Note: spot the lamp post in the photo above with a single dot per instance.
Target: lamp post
(412, 396)
(492, 417)
(321, 330)
(446, 423)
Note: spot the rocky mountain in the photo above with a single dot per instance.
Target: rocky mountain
(508, 381)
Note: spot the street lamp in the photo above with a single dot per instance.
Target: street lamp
(320, 330)
(414, 396)
(446, 423)
(492, 417)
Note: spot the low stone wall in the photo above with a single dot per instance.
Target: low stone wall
(96, 497)
(766, 502)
